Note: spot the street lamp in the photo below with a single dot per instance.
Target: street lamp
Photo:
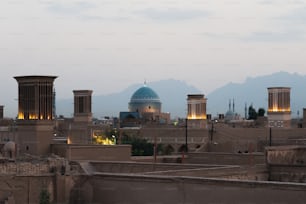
(114, 139)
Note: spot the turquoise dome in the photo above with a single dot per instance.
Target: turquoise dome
(144, 93)
(145, 100)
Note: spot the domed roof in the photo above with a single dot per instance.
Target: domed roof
(9, 146)
(229, 113)
(145, 94)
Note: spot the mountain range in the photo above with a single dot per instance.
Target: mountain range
(173, 94)
(253, 91)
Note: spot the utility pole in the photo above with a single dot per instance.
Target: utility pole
(186, 135)
(212, 131)
(270, 137)
(155, 148)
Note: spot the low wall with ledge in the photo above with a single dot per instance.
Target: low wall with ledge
(93, 152)
(144, 189)
(287, 163)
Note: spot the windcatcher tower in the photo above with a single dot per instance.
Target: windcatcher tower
(80, 132)
(196, 110)
(82, 105)
(279, 111)
(35, 114)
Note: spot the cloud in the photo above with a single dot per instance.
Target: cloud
(285, 36)
(87, 11)
(289, 27)
(171, 14)
(71, 8)
(297, 16)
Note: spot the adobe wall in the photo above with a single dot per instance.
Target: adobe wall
(223, 138)
(221, 158)
(136, 189)
(23, 180)
(34, 136)
(93, 152)
(135, 167)
(25, 189)
(287, 163)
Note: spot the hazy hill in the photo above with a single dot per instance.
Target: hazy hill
(173, 94)
(254, 91)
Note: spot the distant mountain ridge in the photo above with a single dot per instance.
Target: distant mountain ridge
(173, 94)
(254, 91)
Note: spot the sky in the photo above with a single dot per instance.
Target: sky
(108, 45)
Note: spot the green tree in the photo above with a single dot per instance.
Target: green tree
(261, 112)
(252, 113)
(140, 147)
(44, 197)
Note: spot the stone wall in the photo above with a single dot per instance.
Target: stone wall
(135, 167)
(26, 189)
(255, 172)
(93, 152)
(143, 189)
(287, 163)
(22, 180)
(223, 138)
(31, 167)
(221, 158)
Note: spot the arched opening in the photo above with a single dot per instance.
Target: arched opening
(182, 148)
(168, 149)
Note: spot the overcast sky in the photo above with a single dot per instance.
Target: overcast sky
(107, 45)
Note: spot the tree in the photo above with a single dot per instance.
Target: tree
(44, 197)
(252, 113)
(261, 112)
(140, 147)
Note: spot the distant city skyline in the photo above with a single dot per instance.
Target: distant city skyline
(105, 46)
(173, 95)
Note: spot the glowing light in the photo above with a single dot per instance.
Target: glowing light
(196, 117)
(68, 140)
(105, 140)
(275, 109)
(20, 116)
(33, 117)
(99, 138)
(96, 134)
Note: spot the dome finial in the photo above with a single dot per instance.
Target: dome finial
(145, 83)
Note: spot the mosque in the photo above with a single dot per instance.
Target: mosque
(145, 107)
(231, 115)
(145, 100)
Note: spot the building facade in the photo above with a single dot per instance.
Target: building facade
(35, 97)
(35, 114)
(82, 105)
(279, 110)
(81, 127)
(196, 107)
